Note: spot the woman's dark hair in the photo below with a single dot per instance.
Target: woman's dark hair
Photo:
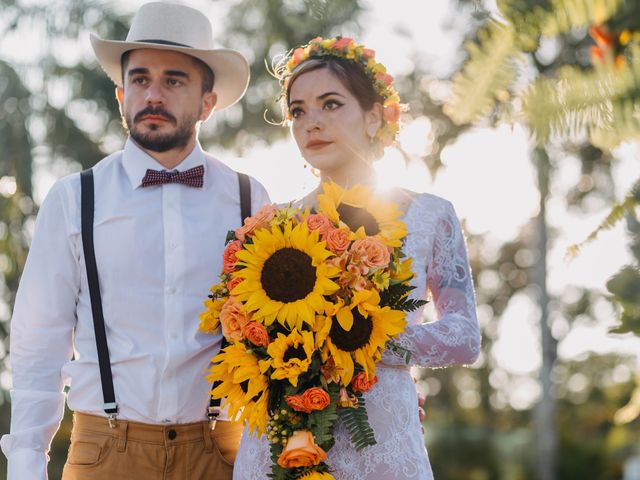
(352, 76)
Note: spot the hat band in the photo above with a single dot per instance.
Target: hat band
(164, 42)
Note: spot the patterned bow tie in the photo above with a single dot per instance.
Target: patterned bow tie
(192, 177)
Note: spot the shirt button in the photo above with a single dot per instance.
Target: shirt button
(172, 246)
(171, 290)
(174, 335)
(171, 434)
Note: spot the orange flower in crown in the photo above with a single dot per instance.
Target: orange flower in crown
(348, 49)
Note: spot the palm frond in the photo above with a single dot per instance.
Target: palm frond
(617, 213)
(604, 103)
(486, 76)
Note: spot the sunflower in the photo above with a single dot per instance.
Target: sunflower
(285, 276)
(363, 212)
(210, 318)
(364, 342)
(315, 475)
(290, 356)
(243, 385)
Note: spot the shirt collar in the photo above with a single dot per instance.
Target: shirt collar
(136, 161)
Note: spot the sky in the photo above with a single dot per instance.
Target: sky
(487, 175)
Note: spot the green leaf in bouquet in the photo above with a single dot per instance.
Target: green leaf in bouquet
(357, 423)
(394, 294)
(321, 422)
(231, 236)
(399, 350)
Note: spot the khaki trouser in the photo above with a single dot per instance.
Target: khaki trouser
(141, 451)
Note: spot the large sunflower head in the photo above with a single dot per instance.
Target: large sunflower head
(242, 385)
(285, 275)
(364, 342)
(290, 356)
(363, 212)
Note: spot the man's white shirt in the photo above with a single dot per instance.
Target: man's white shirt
(158, 250)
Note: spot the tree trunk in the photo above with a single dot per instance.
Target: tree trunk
(545, 427)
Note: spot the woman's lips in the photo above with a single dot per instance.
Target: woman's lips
(317, 144)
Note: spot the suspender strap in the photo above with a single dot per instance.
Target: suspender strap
(245, 211)
(87, 209)
(245, 196)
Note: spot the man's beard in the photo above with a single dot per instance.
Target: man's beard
(161, 142)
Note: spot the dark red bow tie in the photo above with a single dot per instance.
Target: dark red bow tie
(192, 177)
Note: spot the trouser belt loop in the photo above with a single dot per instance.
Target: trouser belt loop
(206, 435)
(123, 428)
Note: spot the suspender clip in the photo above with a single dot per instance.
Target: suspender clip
(112, 420)
(111, 409)
(212, 413)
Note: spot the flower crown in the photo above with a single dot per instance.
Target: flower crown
(348, 49)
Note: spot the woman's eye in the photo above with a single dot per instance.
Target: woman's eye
(295, 112)
(332, 104)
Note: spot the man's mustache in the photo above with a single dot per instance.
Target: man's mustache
(157, 111)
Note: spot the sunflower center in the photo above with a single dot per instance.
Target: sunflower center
(294, 352)
(288, 275)
(356, 217)
(355, 338)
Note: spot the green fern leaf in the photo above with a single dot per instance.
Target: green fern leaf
(357, 423)
(486, 76)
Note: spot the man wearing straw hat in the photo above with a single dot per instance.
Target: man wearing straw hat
(121, 260)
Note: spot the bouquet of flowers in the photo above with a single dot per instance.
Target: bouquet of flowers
(308, 301)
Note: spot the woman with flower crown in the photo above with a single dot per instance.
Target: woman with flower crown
(344, 110)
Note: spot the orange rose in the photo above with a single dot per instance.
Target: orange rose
(259, 220)
(368, 53)
(298, 54)
(391, 113)
(233, 319)
(229, 256)
(315, 398)
(256, 333)
(319, 222)
(384, 78)
(233, 283)
(301, 451)
(370, 252)
(361, 382)
(342, 43)
(296, 403)
(338, 240)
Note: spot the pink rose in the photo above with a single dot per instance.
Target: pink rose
(233, 320)
(370, 252)
(320, 222)
(259, 220)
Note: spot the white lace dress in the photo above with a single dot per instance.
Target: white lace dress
(436, 244)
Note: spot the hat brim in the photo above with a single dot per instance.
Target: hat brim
(230, 68)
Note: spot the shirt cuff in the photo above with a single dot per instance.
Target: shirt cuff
(25, 464)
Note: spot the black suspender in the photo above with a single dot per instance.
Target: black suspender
(86, 211)
(87, 207)
(245, 211)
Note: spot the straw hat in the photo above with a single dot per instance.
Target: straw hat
(165, 26)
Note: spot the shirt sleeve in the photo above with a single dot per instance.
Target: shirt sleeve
(259, 196)
(41, 340)
(454, 338)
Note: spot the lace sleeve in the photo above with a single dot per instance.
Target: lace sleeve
(455, 337)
